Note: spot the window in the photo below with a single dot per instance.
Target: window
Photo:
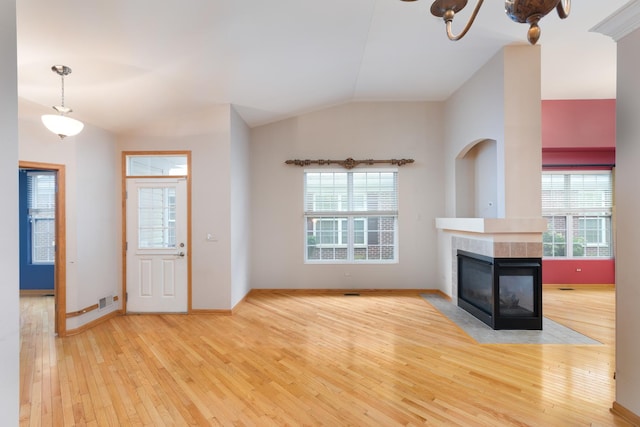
(157, 218)
(157, 165)
(351, 216)
(41, 199)
(578, 209)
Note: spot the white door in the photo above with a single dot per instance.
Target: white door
(157, 245)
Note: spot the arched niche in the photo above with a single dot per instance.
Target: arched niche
(476, 169)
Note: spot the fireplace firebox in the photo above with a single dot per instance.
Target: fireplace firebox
(504, 293)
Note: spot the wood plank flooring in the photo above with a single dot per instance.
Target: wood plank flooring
(319, 360)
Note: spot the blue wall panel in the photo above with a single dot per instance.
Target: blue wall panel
(32, 276)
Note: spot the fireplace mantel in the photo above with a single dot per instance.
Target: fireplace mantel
(493, 225)
(491, 237)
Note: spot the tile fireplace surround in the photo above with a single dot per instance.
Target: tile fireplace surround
(492, 237)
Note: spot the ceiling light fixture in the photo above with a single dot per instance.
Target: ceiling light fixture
(522, 11)
(60, 124)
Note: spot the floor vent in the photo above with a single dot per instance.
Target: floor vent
(352, 294)
(105, 302)
(566, 289)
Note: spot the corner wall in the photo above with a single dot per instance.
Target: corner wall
(9, 287)
(240, 208)
(628, 232)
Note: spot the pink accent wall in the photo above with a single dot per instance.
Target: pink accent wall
(579, 123)
(574, 271)
(578, 134)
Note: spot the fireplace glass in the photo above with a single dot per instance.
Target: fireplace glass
(477, 288)
(516, 296)
(505, 293)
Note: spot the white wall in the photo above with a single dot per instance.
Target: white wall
(382, 130)
(98, 223)
(522, 147)
(628, 232)
(9, 286)
(240, 208)
(92, 208)
(475, 112)
(501, 102)
(207, 135)
(486, 180)
(476, 181)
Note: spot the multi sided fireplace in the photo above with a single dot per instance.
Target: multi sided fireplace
(505, 293)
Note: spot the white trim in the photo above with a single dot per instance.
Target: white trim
(621, 22)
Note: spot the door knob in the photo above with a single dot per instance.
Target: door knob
(181, 254)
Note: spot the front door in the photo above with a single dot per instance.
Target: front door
(157, 272)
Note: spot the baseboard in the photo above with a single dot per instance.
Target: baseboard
(623, 412)
(93, 323)
(344, 291)
(210, 311)
(580, 286)
(36, 292)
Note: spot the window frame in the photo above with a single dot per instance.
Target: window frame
(347, 214)
(41, 209)
(601, 230)
(574, 232)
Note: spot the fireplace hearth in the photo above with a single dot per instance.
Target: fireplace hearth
(504, 293)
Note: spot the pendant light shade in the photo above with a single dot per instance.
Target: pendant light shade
(60, 124)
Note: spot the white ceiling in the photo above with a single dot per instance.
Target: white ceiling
(133, 60)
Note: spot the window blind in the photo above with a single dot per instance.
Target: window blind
(567, 193)
(356, 192)
(41, 191)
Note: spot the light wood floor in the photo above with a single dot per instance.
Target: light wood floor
(303, 359)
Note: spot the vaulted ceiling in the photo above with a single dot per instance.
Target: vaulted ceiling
(133, 60)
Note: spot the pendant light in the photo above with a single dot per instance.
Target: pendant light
(60, 124)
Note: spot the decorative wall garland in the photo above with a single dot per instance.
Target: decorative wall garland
(349, 163)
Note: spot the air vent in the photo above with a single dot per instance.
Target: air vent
(105, 302)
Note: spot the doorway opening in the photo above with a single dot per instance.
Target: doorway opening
(43, 234)
(156, 232)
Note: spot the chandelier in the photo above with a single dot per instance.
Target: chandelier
(60, 124)
(522, 11)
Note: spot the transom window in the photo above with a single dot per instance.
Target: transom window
(157, 165)
(351, 216)
(577, 206)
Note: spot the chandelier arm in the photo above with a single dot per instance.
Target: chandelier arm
(466, 28)
(564, 8)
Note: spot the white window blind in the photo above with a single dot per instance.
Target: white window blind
(576, 192)
(339, 192)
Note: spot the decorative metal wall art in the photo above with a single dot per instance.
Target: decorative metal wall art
(349, 163)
